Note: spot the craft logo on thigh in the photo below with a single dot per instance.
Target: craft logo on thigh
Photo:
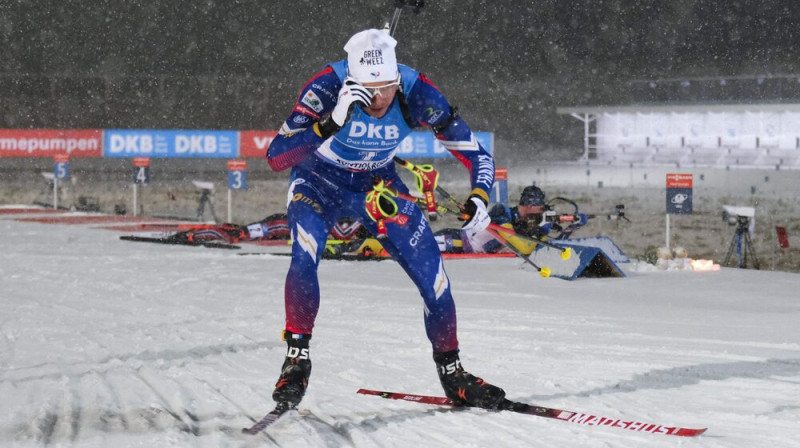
(418, 233)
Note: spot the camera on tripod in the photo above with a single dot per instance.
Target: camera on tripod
(741, 244)
(206, 188)
(734, 215)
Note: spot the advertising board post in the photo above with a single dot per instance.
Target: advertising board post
(141, 175)
(679, 196)
(237, 180)
(60, 171)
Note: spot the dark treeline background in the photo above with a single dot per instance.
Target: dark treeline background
(228, 64)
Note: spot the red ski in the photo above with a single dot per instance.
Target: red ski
(579, 418)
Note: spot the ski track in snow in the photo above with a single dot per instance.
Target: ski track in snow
(109, 343)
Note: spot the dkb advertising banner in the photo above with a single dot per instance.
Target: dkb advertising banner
(425, 145)
(170, 143)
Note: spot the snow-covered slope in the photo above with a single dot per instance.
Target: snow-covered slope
(110, 343)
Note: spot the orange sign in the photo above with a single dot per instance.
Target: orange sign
(500, 173)
(61, 158)
(237, 165)
(679, 180)
(141, 161)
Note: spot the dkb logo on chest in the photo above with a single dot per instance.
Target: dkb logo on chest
(372, 131)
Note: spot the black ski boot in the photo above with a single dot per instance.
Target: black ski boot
(464, 388)
(292, 383)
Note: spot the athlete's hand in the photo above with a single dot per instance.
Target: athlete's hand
(475, 214)
(351, 93)
(542, 230)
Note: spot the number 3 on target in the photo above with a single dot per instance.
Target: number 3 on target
(237, 175)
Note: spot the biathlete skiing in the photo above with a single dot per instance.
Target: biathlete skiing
(339, 142)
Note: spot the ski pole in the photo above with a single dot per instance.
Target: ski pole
(544, 272)
(398, 9)
(179, 226)
(566, 252)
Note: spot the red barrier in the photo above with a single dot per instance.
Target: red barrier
(49, 142)
(783, 237)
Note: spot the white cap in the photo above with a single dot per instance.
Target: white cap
(370, 56)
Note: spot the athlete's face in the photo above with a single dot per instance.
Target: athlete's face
(526, 210)
(382, 96)
(530, 215)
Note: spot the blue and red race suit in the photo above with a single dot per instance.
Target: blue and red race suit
(331, 176)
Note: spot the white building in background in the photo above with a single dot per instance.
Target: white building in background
(763, 136)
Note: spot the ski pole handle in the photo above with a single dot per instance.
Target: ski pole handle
(427, 179)
(421, 201)
(398, 9)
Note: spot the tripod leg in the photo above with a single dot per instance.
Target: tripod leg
(749, 247)
(730, 251)
(741, 259)
(741, 255)
(205, 199)
(201, 206)
(211, 208)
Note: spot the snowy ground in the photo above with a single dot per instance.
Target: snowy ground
(106, 343)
